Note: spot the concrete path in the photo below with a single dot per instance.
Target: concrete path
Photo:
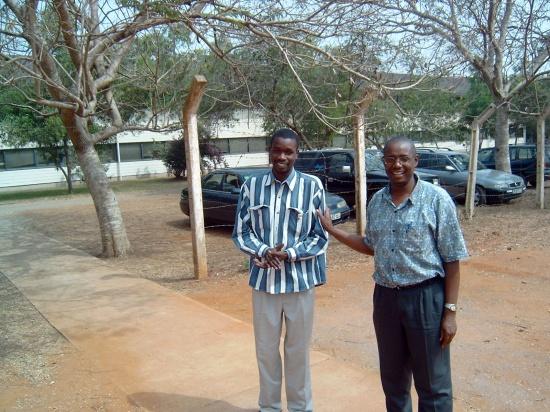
(166, 352)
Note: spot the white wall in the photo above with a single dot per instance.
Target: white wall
(249, 159)
(246, 124)
(49, 175)
(140, 168)
(33, 176)
(147, 136)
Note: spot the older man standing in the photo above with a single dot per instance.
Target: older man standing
(277, 225)
(414, 235)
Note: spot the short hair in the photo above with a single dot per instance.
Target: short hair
(285, 133)
(400, 139)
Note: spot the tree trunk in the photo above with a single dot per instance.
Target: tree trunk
(114, 240)
(502, 138)
(113, 233)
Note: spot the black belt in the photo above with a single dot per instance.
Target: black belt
(414, 285)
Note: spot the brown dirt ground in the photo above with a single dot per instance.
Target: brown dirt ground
(500, 356)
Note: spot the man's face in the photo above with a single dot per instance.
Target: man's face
(282, 155)
(400, 161)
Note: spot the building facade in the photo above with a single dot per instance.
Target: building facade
(243, 142)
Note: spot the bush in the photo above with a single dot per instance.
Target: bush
(174, 156)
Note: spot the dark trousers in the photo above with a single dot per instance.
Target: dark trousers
(407, 324)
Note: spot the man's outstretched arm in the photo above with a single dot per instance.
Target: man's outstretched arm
(356, 242)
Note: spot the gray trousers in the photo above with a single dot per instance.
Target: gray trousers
(269, 311)
(407, 324)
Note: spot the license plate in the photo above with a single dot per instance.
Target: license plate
(335, 216)
(518, 190)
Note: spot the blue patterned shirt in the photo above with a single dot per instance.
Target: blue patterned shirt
(411, 241)
(270, 212)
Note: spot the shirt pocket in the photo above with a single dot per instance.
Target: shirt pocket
(412, 238)
(295, 219)
(259, 216)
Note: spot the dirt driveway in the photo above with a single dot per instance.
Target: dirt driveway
(501, 355)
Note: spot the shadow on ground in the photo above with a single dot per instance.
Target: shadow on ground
(167, 402)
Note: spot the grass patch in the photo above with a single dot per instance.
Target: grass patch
(145, 184)
(122, 186)
(39, 193)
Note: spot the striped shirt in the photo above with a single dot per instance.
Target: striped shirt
(413, 240)
(270, 212)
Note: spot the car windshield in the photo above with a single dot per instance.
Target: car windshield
(304, 162)
(373, 161)
(462, 162)
(310, 161)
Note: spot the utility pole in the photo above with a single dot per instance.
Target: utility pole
(474, 148)
(541, 156)
(360, 166)
(193, 160)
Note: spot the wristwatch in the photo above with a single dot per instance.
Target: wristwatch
(451, 306)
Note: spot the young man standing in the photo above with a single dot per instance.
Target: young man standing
(415, 238)
(277, 225)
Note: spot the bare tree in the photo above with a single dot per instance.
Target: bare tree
(306, 65)
(74, 52)
(506, 42)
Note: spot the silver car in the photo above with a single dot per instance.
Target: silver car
(492, 186)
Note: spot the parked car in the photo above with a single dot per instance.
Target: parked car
(523, 161)
(220, 195)
(336, 169)
(492, 186)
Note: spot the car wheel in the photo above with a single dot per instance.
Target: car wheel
(480, 197)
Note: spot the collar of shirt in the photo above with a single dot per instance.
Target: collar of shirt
(413, 197)
(290, 180)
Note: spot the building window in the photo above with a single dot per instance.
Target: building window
(242, 145)
(106, 152)
(139, 151)
(44, 159)
(222, 144)
(147, 150)
(19, 158)
(257, 144)
(2, 163)
(238, 146)
(130, 151)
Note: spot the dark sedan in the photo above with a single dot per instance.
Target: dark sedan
(220, 194)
